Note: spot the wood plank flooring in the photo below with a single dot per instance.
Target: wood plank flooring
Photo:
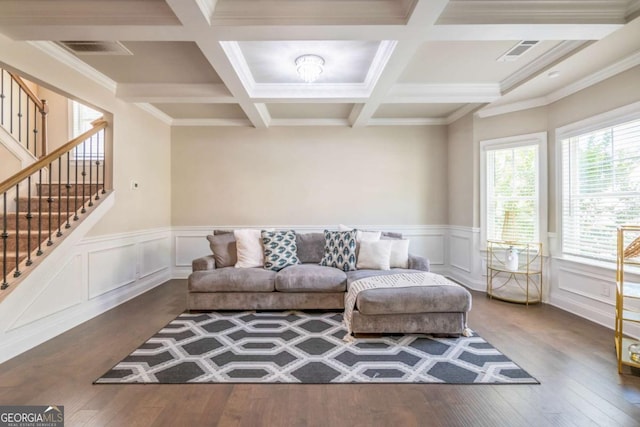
(572, 358)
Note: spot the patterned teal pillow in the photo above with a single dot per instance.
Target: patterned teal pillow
(280, 249)
(340, 250)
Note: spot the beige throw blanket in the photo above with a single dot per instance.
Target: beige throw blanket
(401, 280)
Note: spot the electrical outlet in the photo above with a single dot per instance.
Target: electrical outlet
(135, 185)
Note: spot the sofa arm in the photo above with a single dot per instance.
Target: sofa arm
(204, 263)
(417, 262)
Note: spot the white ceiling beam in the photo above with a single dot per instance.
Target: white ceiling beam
(190, 13)
(205, 93)
(443, 93)
(520, 32)
(424, 15)
(211, 122)
(98, 32)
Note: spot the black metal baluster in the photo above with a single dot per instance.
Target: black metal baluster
(68, 187)
(27, 128)
(29, 218)
(35, 130)
(98, 166)
(39, 213)
(19, 115)
(17, 272)
(4, 236)
(90, 170)
(11, 107)
(50, 201)
(75, 189)
(2, 96)
(104, 163)
(59, 233)
(84, 175)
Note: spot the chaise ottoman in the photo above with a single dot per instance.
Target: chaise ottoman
(407, 303)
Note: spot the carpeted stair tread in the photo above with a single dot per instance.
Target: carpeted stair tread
(56, 190)
(57, 201)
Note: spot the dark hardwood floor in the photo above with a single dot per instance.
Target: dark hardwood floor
(572, 358)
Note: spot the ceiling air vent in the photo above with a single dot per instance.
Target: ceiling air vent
(518, 50)
(95, 48)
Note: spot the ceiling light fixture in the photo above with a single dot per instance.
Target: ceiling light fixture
(553, 74)
(309, 67)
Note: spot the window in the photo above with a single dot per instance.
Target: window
(81, 118)
(600, 185)
(513, 182)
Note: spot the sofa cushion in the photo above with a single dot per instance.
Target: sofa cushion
(339, 250)
(399, 253)
(249, 248)
(352, 276)
(224, 249)
(310, 247)
(280, 249)
(389, 235)
(311, 278)
(231, 279)
(418, 299)
(374, 255)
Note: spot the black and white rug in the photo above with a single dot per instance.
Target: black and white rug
(299, 347)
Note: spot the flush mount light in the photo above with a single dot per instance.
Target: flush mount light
(553, 74)
(309, 67)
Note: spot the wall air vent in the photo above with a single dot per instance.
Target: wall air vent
(518, 50)
(95, 48)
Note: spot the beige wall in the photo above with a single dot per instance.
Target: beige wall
(9, 163)
(460, 172)
(141, 143)
(309, 175)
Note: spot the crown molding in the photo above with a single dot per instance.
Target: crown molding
(590, 80)
(633, 11)
(443, 93)
(407, 122)
(542, 62)
(612, 70)
(211, 122)
(310, 122)
(461, 112)
(155, 112)
(71, 61)
(512, 107)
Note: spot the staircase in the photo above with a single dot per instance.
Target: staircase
(40, 204)
(47, 213)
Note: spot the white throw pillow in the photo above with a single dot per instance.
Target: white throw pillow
(374, 255)
(362, 236)
(249, 248)
(399, 253)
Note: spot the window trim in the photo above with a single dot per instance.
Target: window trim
(70, 123)
(609, 118)
(537, 138)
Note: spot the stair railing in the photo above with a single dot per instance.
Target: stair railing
(43, 226)
(23, 114)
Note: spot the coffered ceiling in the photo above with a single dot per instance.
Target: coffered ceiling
(386, 62)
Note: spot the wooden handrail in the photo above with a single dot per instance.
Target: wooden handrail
(30, 94)
(7, 184)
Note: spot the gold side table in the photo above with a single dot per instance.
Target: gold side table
(514, 271)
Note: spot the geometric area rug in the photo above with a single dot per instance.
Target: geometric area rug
(305, 347)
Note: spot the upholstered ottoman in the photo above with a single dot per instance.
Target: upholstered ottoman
(407, 303)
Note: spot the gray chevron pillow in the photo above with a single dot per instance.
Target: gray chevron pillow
(280, 249)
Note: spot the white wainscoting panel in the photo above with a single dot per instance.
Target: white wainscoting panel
(460, 252)
(111, 268)
(81, 279)
(62, 291)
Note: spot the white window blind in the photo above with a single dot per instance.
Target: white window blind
(513, 193)
(600, 188)
(81, 118)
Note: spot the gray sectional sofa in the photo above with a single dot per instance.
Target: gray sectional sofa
(308, 285)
